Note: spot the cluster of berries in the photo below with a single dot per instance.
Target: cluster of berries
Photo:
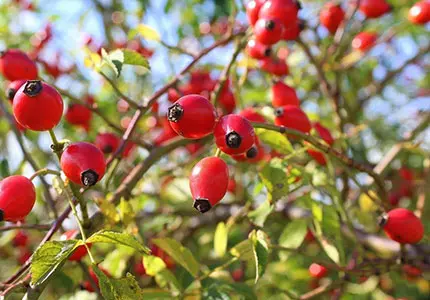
(82, 163)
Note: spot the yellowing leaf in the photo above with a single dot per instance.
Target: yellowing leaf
(145, 31)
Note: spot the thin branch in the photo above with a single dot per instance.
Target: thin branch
(127, 99)
(38, 227)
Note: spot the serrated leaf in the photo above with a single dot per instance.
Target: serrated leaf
(118, 238)
(108, 209)
(179, 254)
(153, 264)
(243, 250)
(274, 178)
(165, 278)
(259, 215)
(49, 258)
(277, 141)
(330, 250)
(221, 239)
(118, 289)
(145, 31)
(261, 252)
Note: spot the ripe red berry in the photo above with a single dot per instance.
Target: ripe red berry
(412, 271)
(406, 174)
(284, 10)
(252, 115)
(274, 66)
(252, 10)
(79, 115)
(36, 96)
(234, 134)
(292, 117)
(16, 65)
(268, 31)
(227, 100)
(231, 185)
(24, 255)
(317, 271)
(283, 94)
(79, 252)
(292, 31)
(237, 275)
(374, 8)
(139, 268)
(402, 226)
(20, 239)
(192, 116)
(331, 16)
(155, 250)
(325, 134)
(166, 134)
(420, 12)
(257, 50)
(107, 142)
(173, 95)
(17, 197)
(83, 163)
(364, 41)
(13, 87)
(394, 198)
(208, 183)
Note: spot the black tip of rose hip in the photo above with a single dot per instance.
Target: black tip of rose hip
(33, 88)
(202, 205)
(107, 149)
(10, 93)
(299, 5)
(267, 52)
(279, 111)
(252, 153)
(382, 220)
(270, 25)
(175, 112)
(302, 25)
(1, 215)
(233, 140)
(89, 177)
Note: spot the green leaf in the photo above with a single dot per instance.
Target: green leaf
(261, 252)
(153, 264)
(179, 254)
(115, 60)
(243, 250)
(158, 294)
(259, 215)
(330, 250)
(126, 212)
(294, 234)
(221, 239)
(165, 278)
(145, 31)
(275, 140)
(274, 177)
(118, 289)
(118, 238)
(49, 258)
(134, 58)
(215, 292)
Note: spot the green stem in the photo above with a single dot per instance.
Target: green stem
(82, 204)
(219, 268)
(217, 152)
(43, 172)
(56, 146)
(111, 173)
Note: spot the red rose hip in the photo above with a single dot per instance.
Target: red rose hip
(331, 16)
(317, 271)
(402, 226)
(252, 10)
(37, 106)
(364, 41)
(292, 117)
(17, 197)
(257, 50)
(374, 8)
(83, 163)
(13, 87)
(107, 142)
(208, 182)
(268, 31)
(420, 12)
(16, 65)
(284, 10)
(234, 134)
(192, 116)
(325, 134)
(283, 94)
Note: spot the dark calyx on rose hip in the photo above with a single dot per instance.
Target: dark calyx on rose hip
(33, 88)
(89, 177)
(252, 152)
(175, 113)
(233, 140)
(202, 205)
